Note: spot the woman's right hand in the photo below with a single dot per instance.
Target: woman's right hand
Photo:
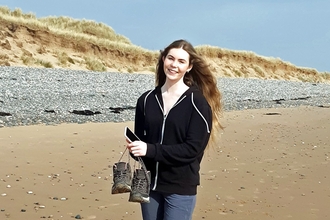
(137, 148)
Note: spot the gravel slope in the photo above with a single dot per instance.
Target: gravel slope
(51, 96)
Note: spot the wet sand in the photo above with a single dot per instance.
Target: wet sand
(270, 164)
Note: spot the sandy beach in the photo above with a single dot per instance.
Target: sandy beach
(270, 164)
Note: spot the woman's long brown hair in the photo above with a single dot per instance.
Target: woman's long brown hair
(201, 76)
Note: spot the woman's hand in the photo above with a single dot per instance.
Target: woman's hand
(137, 148)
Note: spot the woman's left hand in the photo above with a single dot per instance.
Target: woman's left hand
(137, 148)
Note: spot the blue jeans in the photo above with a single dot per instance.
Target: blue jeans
(164, 206)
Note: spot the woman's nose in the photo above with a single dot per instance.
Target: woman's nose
(174, 63)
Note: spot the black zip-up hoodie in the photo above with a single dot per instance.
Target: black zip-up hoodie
(176, 141)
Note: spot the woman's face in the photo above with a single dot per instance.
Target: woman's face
(176, 64)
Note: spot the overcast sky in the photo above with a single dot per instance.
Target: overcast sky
(296, 31)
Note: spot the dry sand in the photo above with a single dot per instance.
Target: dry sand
(267, 167)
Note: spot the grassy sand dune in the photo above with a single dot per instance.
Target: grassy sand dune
(63, 42)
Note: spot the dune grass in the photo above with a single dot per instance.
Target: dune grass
(124, 56)
(77, 30)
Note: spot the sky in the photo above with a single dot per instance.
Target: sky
(296, 31)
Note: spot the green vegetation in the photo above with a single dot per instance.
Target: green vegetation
(325, 75)
(75, 30)
(94, 65)
(92, 28)
(64, 58)
(238, 73)
(16, 13)
(44, 63)
(259, 71)
(97, 47)
(27, 60)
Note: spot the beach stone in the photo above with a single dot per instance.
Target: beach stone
(47, 96)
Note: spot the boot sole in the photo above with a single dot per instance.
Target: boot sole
(137, 197)
(120, 188)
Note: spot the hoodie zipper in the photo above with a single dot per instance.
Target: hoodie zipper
(162, 133)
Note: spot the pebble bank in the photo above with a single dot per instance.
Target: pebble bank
(31, 96)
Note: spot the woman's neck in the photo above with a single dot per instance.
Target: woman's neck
(174, 88)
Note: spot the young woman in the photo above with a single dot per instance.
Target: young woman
(175, 122)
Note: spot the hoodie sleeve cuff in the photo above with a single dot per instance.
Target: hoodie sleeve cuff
(151, 151)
